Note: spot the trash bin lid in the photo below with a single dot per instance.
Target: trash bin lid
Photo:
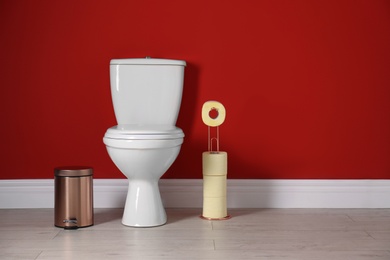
(73, 171)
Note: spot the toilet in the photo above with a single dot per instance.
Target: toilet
(146, 95)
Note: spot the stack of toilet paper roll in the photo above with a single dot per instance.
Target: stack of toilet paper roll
(214, 185)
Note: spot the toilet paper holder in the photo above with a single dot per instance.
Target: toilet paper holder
(211, 139)
(214, 165)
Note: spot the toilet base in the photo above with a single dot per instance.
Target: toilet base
(143, 206)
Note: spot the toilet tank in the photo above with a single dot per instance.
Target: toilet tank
(146, 91)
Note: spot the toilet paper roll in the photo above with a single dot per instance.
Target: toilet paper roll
(214, 163)
(207, 107)
(214, 186)
(214, 208)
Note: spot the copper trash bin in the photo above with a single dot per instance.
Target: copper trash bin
(73, 197)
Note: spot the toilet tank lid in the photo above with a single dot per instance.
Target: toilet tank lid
(147, 61)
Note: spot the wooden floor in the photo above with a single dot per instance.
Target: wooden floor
(329, 234)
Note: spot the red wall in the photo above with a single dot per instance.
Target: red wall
(306, 84)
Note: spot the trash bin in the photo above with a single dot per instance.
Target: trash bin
(73, 202)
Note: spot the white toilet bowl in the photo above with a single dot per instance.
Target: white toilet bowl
(143, 154)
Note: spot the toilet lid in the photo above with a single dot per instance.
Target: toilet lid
(151, 132)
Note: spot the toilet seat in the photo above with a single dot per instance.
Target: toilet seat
(143, 137)
(144, 132)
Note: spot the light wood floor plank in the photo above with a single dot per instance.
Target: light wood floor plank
(315, 234)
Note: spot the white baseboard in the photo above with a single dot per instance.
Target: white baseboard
(187, 193)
